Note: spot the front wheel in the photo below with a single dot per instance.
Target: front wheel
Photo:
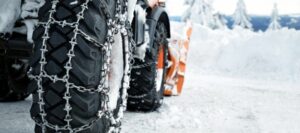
(79, 75)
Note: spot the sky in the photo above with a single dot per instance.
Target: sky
(257, 7)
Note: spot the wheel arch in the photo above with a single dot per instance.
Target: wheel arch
(155, 15)
(158, 14)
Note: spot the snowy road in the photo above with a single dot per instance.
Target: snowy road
(210, 105)
(224, 105)
(215, 101)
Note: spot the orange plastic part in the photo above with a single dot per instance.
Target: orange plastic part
(170, 75)
(176, 72)
(168, 92)
(160, 60)
(182, 67)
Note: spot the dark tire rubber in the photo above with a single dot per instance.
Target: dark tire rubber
(86, 64)
(143, 95)
(13, 82)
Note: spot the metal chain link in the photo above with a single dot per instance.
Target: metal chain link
(5, 36)
(115, 24)
(143, 65)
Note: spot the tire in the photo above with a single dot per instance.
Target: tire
(146, 92)
(13, 79)
(86, 67)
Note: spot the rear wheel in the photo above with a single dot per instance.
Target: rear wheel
(148, 76)
(72, 61)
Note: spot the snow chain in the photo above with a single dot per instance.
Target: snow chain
(143, 65)
(118, 23)
(5, 36)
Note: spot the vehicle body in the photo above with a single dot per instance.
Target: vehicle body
(29, 46)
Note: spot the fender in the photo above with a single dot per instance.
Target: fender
(138, 25)
(157, 14)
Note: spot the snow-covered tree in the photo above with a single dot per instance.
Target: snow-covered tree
(187, 13)
(189, 2)
(275, 24)
(220, 21)
(202, 13)
(241, 17)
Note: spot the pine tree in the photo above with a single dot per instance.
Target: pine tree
(187, 13)
(275, 24)
(241, 17)
(220, 21)
(202, 13)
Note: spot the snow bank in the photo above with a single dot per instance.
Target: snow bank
(273, 55)
(9, 13)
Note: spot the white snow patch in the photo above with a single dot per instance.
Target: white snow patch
(158, 79)
(30, 24)
(30, 10)
(116, 71)
(270, 55)
(75, 2)
(131, 8)
(31, 7)
(9, 13)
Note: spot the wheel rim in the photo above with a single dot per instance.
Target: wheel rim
(160, 68)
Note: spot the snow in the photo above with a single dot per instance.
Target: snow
(237, 81)
(273, 55)
(131, 8)
(30, 10)
(275, 24)
(9, 13)
(116, 71)
(202, 12)
(159, 78)
(74, 2)
(12, 10)
(241, 18)
(31, 7)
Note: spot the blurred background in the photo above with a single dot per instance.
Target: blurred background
(259, 11)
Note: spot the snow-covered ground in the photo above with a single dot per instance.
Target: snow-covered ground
(237, 82)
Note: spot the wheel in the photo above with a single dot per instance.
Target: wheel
(71, 97)
(148, 76)
(13, 79)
